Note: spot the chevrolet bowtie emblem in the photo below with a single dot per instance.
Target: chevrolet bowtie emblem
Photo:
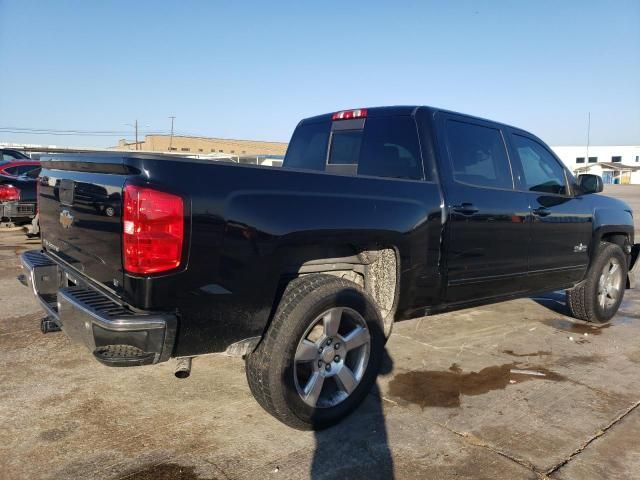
(66, 219)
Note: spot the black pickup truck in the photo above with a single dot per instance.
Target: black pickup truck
(378, 215)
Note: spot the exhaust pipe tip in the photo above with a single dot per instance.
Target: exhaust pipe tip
(48, 325)
(183, 368)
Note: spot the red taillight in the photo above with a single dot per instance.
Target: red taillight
(153, 230)
(349, 114)
(8, 193)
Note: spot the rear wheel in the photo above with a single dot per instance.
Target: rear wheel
(321, 354)
(598, 297)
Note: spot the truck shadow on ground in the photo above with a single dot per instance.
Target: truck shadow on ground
(555, 301)
(358, 447)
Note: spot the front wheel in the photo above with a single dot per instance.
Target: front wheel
(321, 354)
(599, 296)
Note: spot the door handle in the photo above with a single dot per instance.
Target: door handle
(465, 208)
(541, 211)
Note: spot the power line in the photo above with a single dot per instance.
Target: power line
(116, 133)
(55, 130)
(20, 132)
(74, 133)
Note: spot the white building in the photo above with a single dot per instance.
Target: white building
(614, 163)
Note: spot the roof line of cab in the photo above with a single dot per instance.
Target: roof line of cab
(405, 110)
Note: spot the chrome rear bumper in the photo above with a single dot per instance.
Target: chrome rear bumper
(114, 332)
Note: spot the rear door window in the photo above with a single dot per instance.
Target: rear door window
(33, 173)
(22, 169)
(478, 155)
(541, 171)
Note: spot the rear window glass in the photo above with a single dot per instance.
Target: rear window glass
(345, 147)
(390, 148)
(308, 147)
(479, 155)
(387, 147)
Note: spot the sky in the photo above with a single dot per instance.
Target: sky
(252, 70)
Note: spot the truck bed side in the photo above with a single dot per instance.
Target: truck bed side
(248, 229)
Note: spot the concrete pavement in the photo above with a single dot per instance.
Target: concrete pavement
(512, 390)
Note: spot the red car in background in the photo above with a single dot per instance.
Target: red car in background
(15, 163)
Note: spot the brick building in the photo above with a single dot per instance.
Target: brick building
(204, 145)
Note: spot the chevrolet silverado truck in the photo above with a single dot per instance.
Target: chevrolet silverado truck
(378, 215)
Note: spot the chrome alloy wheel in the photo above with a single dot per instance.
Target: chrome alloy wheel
(332, 357)
(610, 283)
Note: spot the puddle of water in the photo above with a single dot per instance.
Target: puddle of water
(444, 388)
(578, 328)
(539, 353)
(167, 471)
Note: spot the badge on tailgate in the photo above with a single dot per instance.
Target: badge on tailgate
(66, 219)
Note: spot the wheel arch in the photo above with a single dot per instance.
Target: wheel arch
(621, 235)
(611, 225)
(374, 267)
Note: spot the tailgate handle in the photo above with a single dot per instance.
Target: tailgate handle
(541, 211)
(465, 208)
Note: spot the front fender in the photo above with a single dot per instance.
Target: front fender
(612, 220)
(609, 221)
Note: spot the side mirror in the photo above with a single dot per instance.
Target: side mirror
(590, 183)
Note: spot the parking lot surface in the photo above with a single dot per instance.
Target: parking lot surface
(511, 390)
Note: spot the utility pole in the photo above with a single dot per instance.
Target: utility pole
(135, 126)
(588, 134)
(171, 136)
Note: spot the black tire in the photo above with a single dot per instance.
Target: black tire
(270, 368)
(582, 300)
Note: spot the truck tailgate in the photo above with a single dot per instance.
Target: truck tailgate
(80, 214)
